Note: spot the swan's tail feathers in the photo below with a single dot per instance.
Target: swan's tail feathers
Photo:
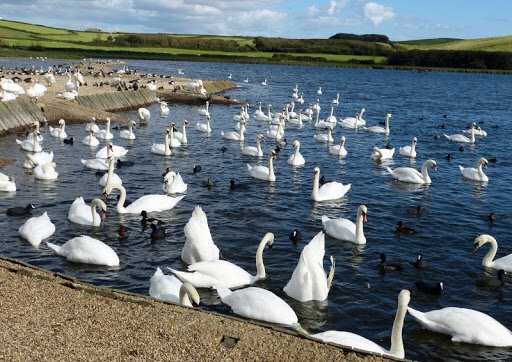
(159, 272)
(461, 168)
(389, 170)
(446, 136)
(325, 219)
(222, 292)
(249, 167)
(56, 249)
(419, 316)
(300, 330)
(19, 142)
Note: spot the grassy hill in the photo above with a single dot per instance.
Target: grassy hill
(496, 44)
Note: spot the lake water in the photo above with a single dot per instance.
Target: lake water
(361, 300)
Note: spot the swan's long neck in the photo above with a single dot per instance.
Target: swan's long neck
(93, 211)
(260, 267)
(269, 115)
(108, 125)
(167, 144)
(317, 118)
(110, 172)
(397, 344)
(387, 125)
(258, 145)
(424, 172)
(184, 134)
(271, 167)
(330, 277)
(472, 135)
(413, 147)
(489, 257)
(359, 225)
(297, 150)
(122, 198)
(332, 110)
(316, 182)
(242, 131)
(480, 169)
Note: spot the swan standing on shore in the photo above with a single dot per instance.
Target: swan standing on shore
(262, 172)
(128, 134)
(59, 132)
(411, 175)
(37, 228)
(475, 174)
(148, 203)
(328, 191)
(254, 151)
(83, 214)
(409, 151)
(199, 245)
(84, 249)
(105, 134)
(465, 325)
(296, 158)
(339, 150)
(460, 138)
(355, 341)
(344, 229)
(170, 289)
(309, 280)
(504, 263)
(222, 273)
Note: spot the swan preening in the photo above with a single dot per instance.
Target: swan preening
(36, 229)
(355, 341)
(83, 214)
(199, 245)
(344, 229)
(87, 250)
(504, 263)
(465, 325)
(170, 289)
(329, 190)
(222, 273)
(309, 280)
(411, 175)
(144, 115)
(476, 174)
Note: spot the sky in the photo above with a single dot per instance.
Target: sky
(399, 19)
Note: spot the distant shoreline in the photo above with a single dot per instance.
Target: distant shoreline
(77, 54)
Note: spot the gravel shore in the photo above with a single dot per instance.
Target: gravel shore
(46, 317)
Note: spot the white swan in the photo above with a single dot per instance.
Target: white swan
(35, 159)
(199, 245)
(354, 122)
(297, 120)
(83, 214)
(319, 91)
(92, 126)
(478, 130)
(332, 118)
(163, 148)
(7, 184)
(381, 154)
(91, 140)
(182, 136)
(222, 273)
(409, 151)
(460, 138)
(264, 83)
(128, 134)
(233, 135)
(320, 123)
(110, 177)
(31, 143)
(111, 151)
(84, 249)
(324, 137)
(36, 229)
(95, 164)
(329, 190)
(262, 117)
(259, 304)
(379, 129)
(144, 115)
(164, 109)
(204, 111)
(174, 184)
(296, 158)
(476, 174)
(262, 172)
(59, 132)
(46, 171)
(336, 101)
(465, 325)
(204, 127)
(170, 289)
(355, 341)
(259, 113)
(411, 175)
(148, 203)
(504, 263)
(309, 280)
(344, 229)
(339, 150)
(254, 151)
(105, 134)
(276, 132)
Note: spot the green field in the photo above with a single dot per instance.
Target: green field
(496, 44)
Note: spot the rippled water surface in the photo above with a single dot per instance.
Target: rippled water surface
(362, 300)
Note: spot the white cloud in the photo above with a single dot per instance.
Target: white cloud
(378, 13)
(332, 7)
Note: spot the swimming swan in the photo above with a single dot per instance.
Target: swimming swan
(233, 135)
(339, 150)
(83, 214)
(411, 175)
(7, 184)
(222, 273)
(382, 130)
(354, 122)
(504, 263)
(105, 134)
(59, 132)
(174, 184)
(460, 138)
(36, 229)
(344, 229)
(91, 140)
(148, 203)
(204, 127)
(381, 154)
(329, 190)
(163, 148)
(170, 289)
(409, 151)
(476, 174)
(46, 172)
(199, 245)
(262, 172)
(84, 249)
(128, 134)
(296, 158)
(356, 341)
(309, 280)
(254, 151)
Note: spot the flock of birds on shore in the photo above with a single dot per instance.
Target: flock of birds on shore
(309, 281)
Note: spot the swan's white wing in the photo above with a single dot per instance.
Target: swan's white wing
(407, 174)
(465, 325)
(218, 273)
(504, 263)
(258, 171)
(36, 229)
(333, 190)
(341, 229)
(84, 249)
(351, 340)
(260, 304)
(153, 203)
(165, 287)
